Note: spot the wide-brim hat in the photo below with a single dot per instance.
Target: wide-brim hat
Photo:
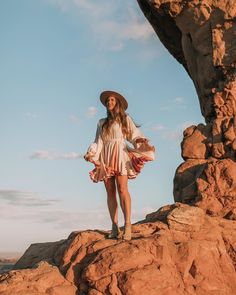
(105, 94)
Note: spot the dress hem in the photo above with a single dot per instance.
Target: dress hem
(137, 164)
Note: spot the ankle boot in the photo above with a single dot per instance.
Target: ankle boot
(127, 231)
(115, 231)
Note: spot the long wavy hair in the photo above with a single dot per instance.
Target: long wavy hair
(119, 115)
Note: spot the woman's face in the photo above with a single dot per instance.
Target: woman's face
(110, 103)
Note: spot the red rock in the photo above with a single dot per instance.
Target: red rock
(201, 36)
(189, 253)
(40, 280)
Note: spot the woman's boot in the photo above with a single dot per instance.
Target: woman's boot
(115, 231)
(127, 231)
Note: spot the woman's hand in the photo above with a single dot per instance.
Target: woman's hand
(88, 156)
(141, 140)
(145, 145)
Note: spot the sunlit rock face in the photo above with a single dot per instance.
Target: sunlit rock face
(178, 249)
(201, 35)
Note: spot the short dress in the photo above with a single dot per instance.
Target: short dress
(115, 155)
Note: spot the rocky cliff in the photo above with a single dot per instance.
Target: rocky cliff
(201, 35)
(178, 249)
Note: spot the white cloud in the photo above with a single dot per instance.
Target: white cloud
(59, 218)
(179, 100)
(186, 124)
(91, 112)
(173, 104)
(74, 118)
(42, 155)
(31, 115)
(24, 198)
(111, 23)
(49, 155)
(158, 127)
(70, 156)
(174, 134)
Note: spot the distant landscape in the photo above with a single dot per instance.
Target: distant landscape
(7, 260)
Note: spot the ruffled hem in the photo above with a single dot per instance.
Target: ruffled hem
(137, 164)
(93, 173)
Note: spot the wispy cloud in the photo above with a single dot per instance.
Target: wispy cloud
(91, 112)
(178, 102)
(111, 23)
(59, 218)
(50, 155)
(25, 198)
(74, 118)
(174, 134)
(158, 127)
(31, 115)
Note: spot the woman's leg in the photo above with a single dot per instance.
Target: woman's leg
(111, 198)
(125, 200)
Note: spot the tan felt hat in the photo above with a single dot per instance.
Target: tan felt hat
(105, 94)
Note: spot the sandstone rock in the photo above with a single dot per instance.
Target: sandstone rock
(217, 187)
(189, 253)
(186, 218)
(210, 185)
(40, 280)
(201, 36)
(160, 214)
(38, 252)
(185, 180)
(194, 143)
(231, 215)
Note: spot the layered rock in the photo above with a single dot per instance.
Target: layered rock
(201, 35)
(178, 249)
(42, 279)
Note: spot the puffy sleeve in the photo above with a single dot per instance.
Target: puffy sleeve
(96, 147)
(134, 132)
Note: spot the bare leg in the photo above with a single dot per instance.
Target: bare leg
(111, 198)
(125, 200)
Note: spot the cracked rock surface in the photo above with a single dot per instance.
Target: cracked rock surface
(201, 35)
(179, 249)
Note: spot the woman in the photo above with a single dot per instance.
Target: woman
(115, 161)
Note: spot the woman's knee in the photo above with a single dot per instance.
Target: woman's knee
(122, 189)
(122, 185)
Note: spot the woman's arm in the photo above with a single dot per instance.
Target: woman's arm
(137, 138)
(135, 134)
(94, 150)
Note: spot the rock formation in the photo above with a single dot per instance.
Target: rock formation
(42, 279)
(178, 249)
(201, 35)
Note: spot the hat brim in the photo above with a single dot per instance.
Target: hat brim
(105, 94)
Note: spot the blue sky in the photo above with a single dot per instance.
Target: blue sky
(56, 57)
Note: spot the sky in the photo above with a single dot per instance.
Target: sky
(56, 57)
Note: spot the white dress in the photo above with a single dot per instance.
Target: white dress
(116, 157)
